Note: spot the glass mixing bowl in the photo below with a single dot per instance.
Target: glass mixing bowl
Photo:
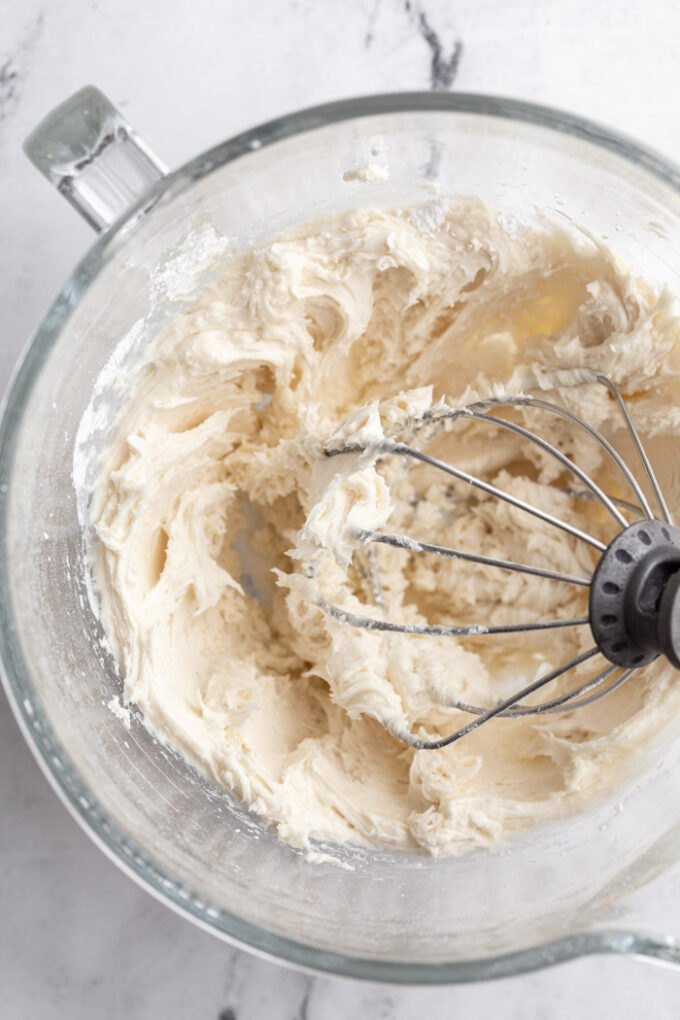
(600, 882)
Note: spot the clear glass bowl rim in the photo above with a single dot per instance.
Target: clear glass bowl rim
(52, 757)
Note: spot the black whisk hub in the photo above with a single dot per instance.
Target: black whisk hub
(634, 603)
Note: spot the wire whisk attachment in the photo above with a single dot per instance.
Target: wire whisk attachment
(633, 591)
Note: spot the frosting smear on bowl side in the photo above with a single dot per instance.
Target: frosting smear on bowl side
(214, 497)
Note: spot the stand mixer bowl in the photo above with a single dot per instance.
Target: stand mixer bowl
(604, 881)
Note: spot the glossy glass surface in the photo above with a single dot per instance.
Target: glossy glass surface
(578, 887)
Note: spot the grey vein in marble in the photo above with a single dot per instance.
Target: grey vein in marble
(9, 82)
(370, 31)
(443, 69)
(14, 68)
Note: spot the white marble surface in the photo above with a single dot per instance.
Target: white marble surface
(78, 940)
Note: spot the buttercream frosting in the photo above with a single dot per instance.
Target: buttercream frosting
(220, 521)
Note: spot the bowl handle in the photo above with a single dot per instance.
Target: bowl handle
(90, 153)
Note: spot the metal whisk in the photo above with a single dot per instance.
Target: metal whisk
(633, 593)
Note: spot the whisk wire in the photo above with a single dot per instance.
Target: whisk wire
(609, 385)
(439, 630)
(404, 542)
(547, 447)
(609, 689)
(565, 701)
(623, 503)
(433, 745)
(525, 400)
(492, 490)
(545, 706)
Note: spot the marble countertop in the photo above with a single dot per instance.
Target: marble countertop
(78, 940)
